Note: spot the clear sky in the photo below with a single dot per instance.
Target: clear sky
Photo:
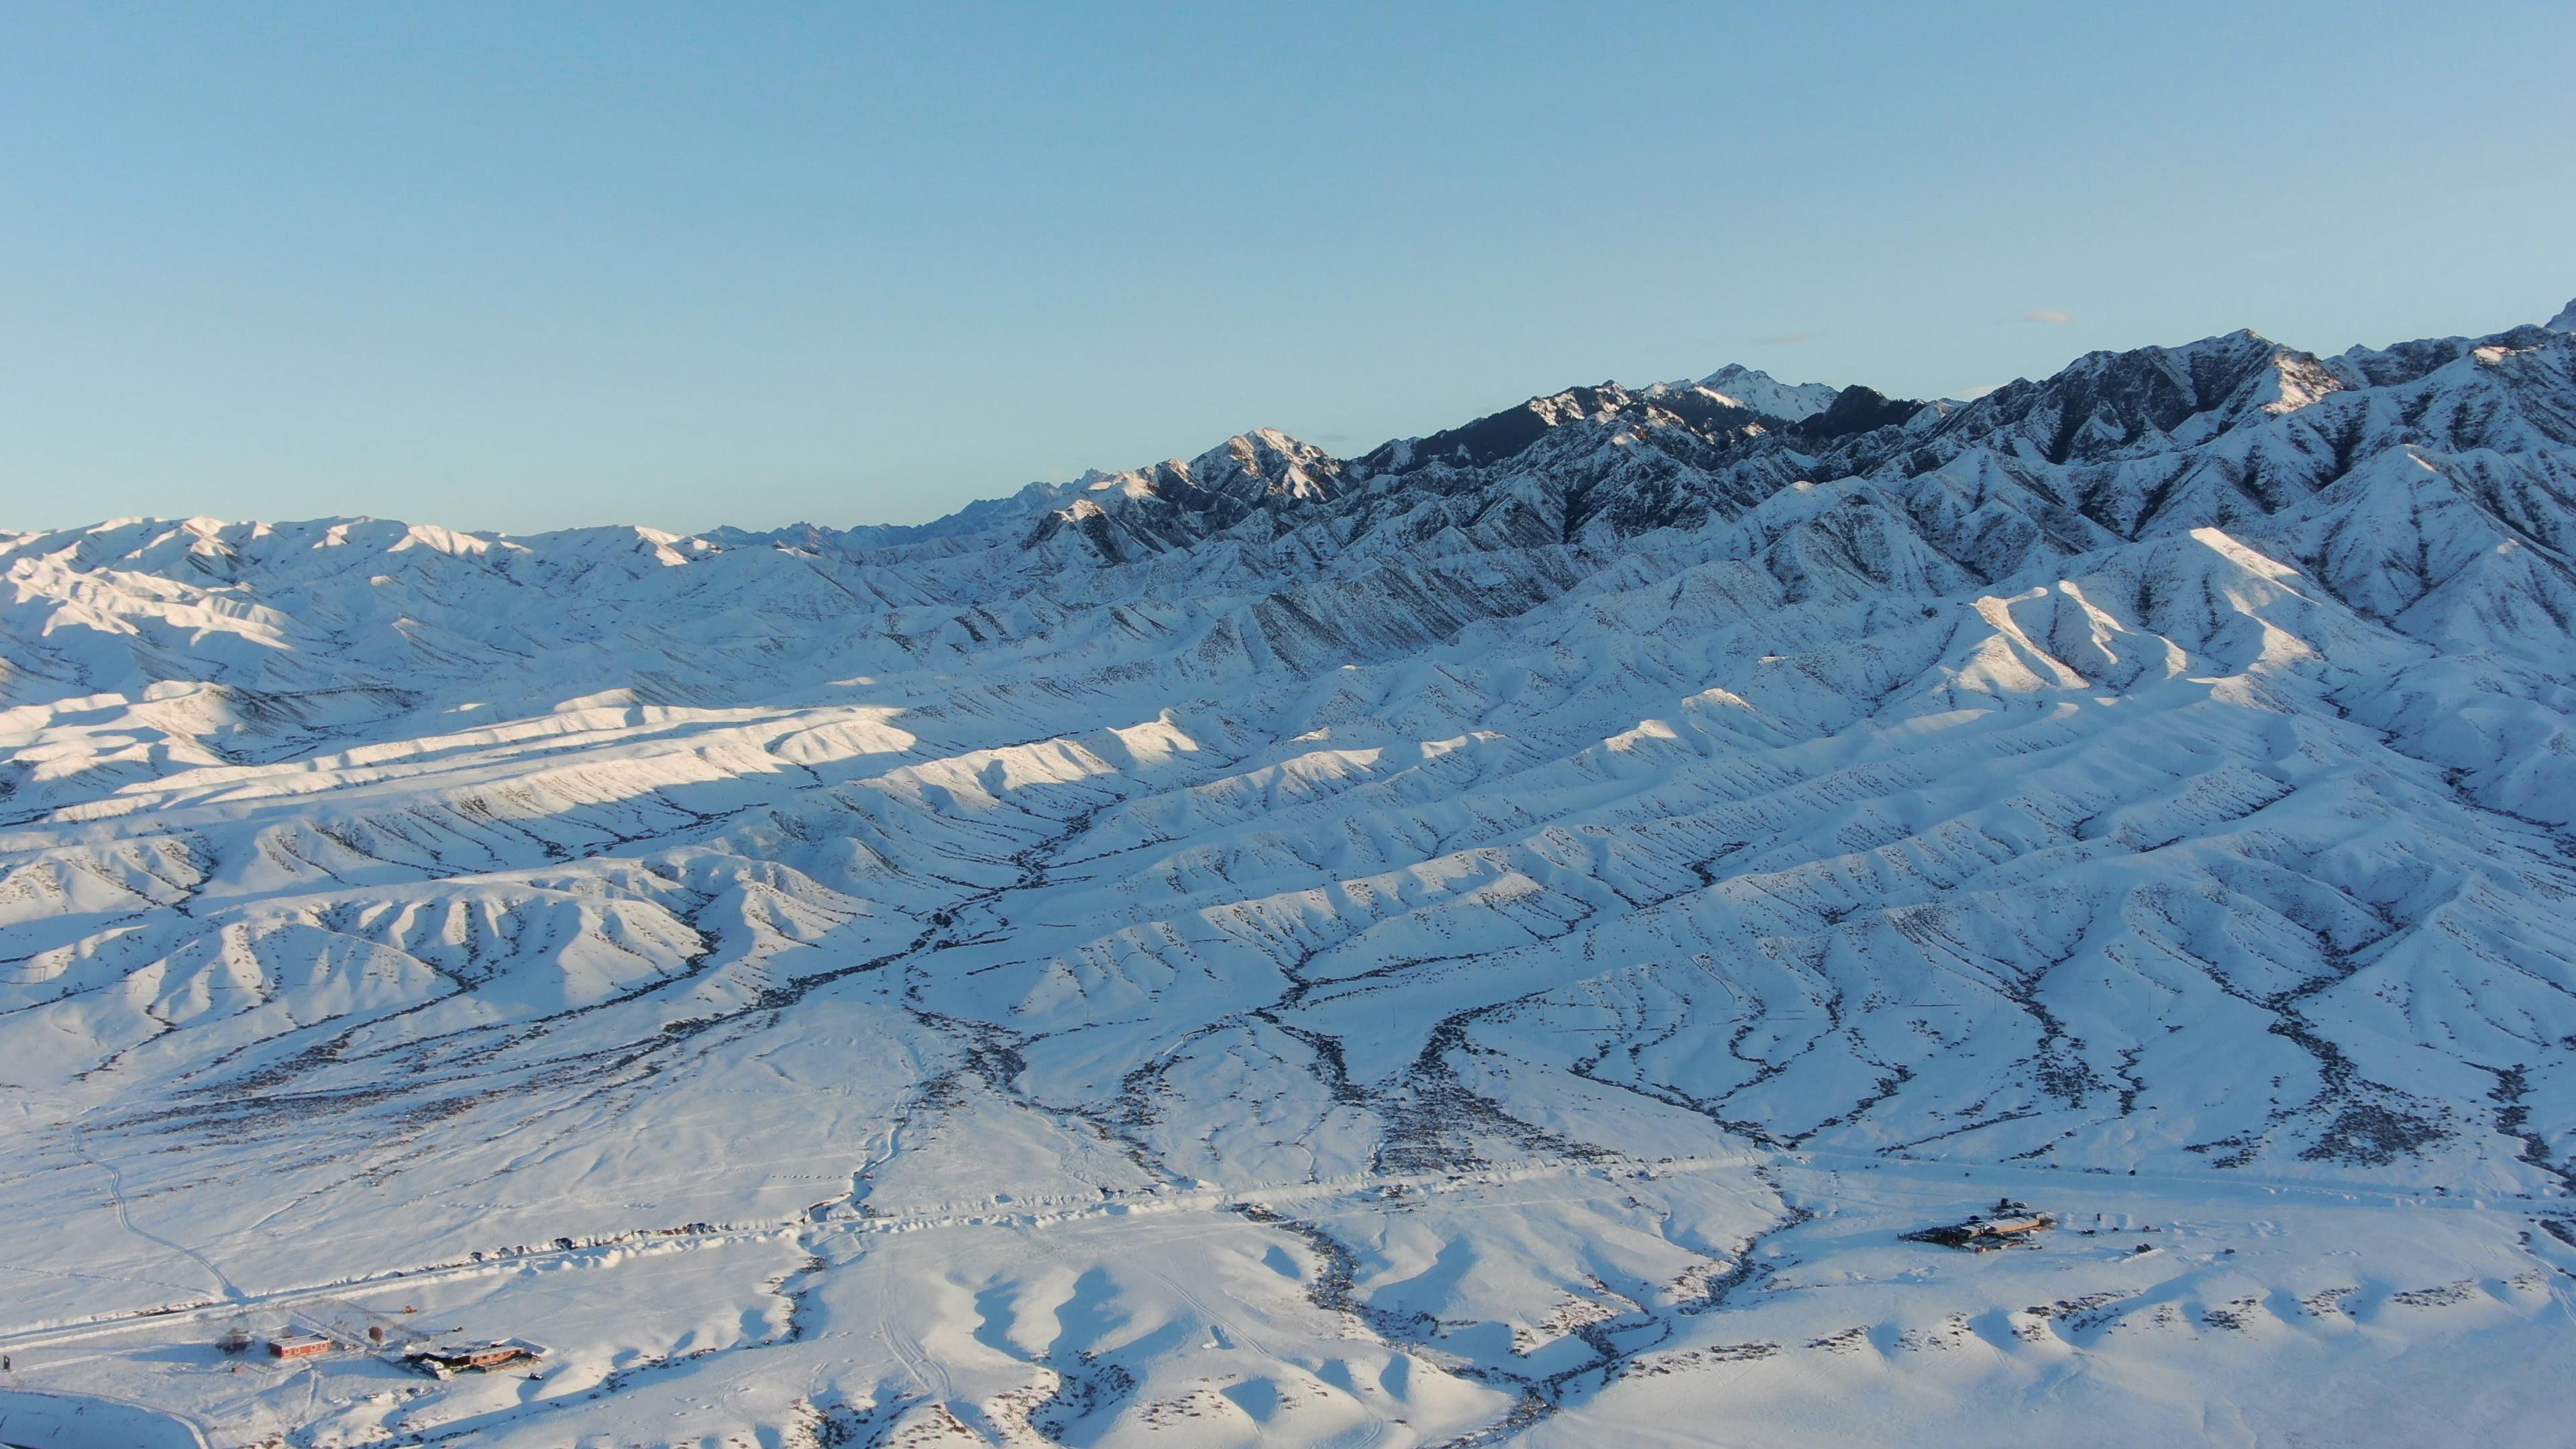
(527, 266)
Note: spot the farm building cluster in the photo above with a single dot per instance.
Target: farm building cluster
(2008, 1224)
(438, 1360)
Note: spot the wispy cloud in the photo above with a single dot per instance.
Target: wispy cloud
(2049, 315)
(1971, 394)
(1784, 339)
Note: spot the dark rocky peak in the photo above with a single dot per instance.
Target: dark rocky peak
(1506, 434)
(1701, 409)
(2107, 401)
(1854, 410)
(2397, 365)
(1174, 504)
(1491, 438)
(1560, 468)
(2400, 363)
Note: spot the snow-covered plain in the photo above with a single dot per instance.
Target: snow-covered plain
(1490, 940)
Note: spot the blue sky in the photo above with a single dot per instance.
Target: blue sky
(521, 267)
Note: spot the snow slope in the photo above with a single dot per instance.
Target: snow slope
(1488, 939)
(1753, 388)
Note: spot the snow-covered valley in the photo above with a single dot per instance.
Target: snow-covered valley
(1491, 940)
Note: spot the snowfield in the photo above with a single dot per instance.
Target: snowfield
(1492, 940)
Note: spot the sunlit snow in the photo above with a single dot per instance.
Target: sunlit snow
(1494, 939)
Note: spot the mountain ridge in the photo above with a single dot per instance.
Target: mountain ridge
(1444, 946)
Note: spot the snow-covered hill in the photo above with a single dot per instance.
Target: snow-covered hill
(1490, 938)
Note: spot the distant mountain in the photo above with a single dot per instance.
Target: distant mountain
(1442, 945)
(1760, 392)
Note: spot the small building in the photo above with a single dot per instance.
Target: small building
(300, 1345)
(2015, 1224)
(452, 1358)
(2016, 1227)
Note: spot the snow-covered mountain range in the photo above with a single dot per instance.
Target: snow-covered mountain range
(1487, 939)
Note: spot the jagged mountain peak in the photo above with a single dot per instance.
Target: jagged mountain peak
(1176, 503)
(1270, 463)
(2109, 401)
(1499, 436)
(1760, 392)
(2565, 321)
(1856, 409)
